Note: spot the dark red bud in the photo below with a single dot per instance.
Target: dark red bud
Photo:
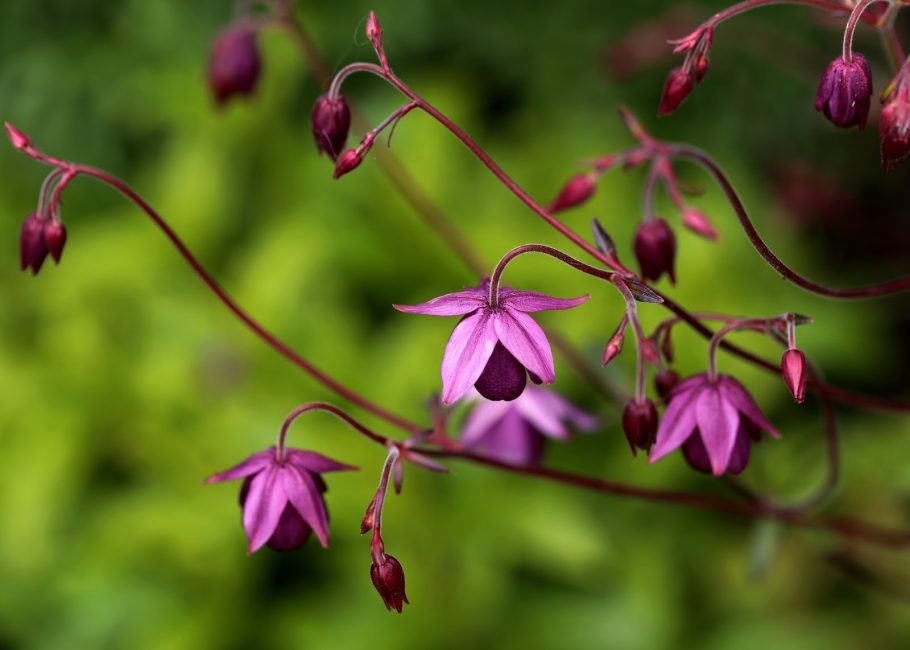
(665, 382)
(235, 64)
(331, 121)
(793, 368)
(612, 348)
(55, 238)
(18, 139)
(679, 85)
(895, 125)
(576, 191)
(388, 578)
(639, 423)
(655, 248)
(702, 63)
(698, 223)
(845, 92)
(666, 346)
(32, 245)
(348, 162)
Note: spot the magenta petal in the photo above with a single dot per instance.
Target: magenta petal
(304, 494)
(317, 463)
(736, 394)
(467, 352)
(512, 441)
(718, 422)
(250, 466)
(741, 451)
(482, 418)
(529, 301)
(545, 411)
(524, 338)
(263, 507)
(451, 304)
(677, 424)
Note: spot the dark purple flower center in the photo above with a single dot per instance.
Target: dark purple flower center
(503, 378)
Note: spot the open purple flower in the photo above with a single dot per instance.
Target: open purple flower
(514, 432)
(714, 421)
(494, 348)
(282, 497)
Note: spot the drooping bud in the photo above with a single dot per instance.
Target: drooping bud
(697, 222)
(655, 248)
(895, 121)
(639, 423)
(369, 518)
(612, 348)
(55, 238)
(374, 30)
(348, 162)
(18, 139)
(678, 86)
(331, 121)
(388, 578)
(793, 368)
(235, 64)
(665, 382)
(845, 92)
(576, 191)
(32, 245)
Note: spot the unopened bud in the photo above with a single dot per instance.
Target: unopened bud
(32, 245)
(576, 191)
(388, 578)
(894, 125)
(369, 517)
(602, 238)
(639, 423)
(235, 64)
(55, 238)
(655, 248)
(665, 382)
(331, 121)
(374, 30)
(679, 85)
(845, 92)
(697, 222)
(612, 348)
(348, 162)
(793, 368)
(18, 139)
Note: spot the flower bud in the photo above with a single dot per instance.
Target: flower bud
(348, 162)
(55, 238)
(679, 85)
(331, 121)
(235, 64)
(639, 423)
(374, 30)
(697, 222)
(845, 92)
(655, 248)
(576, 191)
(32, 245)
(793, 368)
(895, 124)
(612, 348)
(665, 382)
(18, 139)
(388, 578)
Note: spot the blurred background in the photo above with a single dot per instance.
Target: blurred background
(124, 383)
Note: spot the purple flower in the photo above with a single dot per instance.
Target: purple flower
(845, 92)
(235, 64)
(331, 121)
(655, 248)
(714, 422)
(514, 431)
(494, 348)
(281, 497)
(895, 120)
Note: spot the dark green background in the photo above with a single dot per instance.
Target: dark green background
(124, 382)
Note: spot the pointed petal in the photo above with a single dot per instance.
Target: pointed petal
(529, 301)
(524, 338)
(467, 352)
(304, 494)
(718, 422)
(313, 462)
(451, 304)
(255, 463)
(677, 424)
(482, 419)
(737, 395)
(425, 462)
(263, 507)
(548, 412)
